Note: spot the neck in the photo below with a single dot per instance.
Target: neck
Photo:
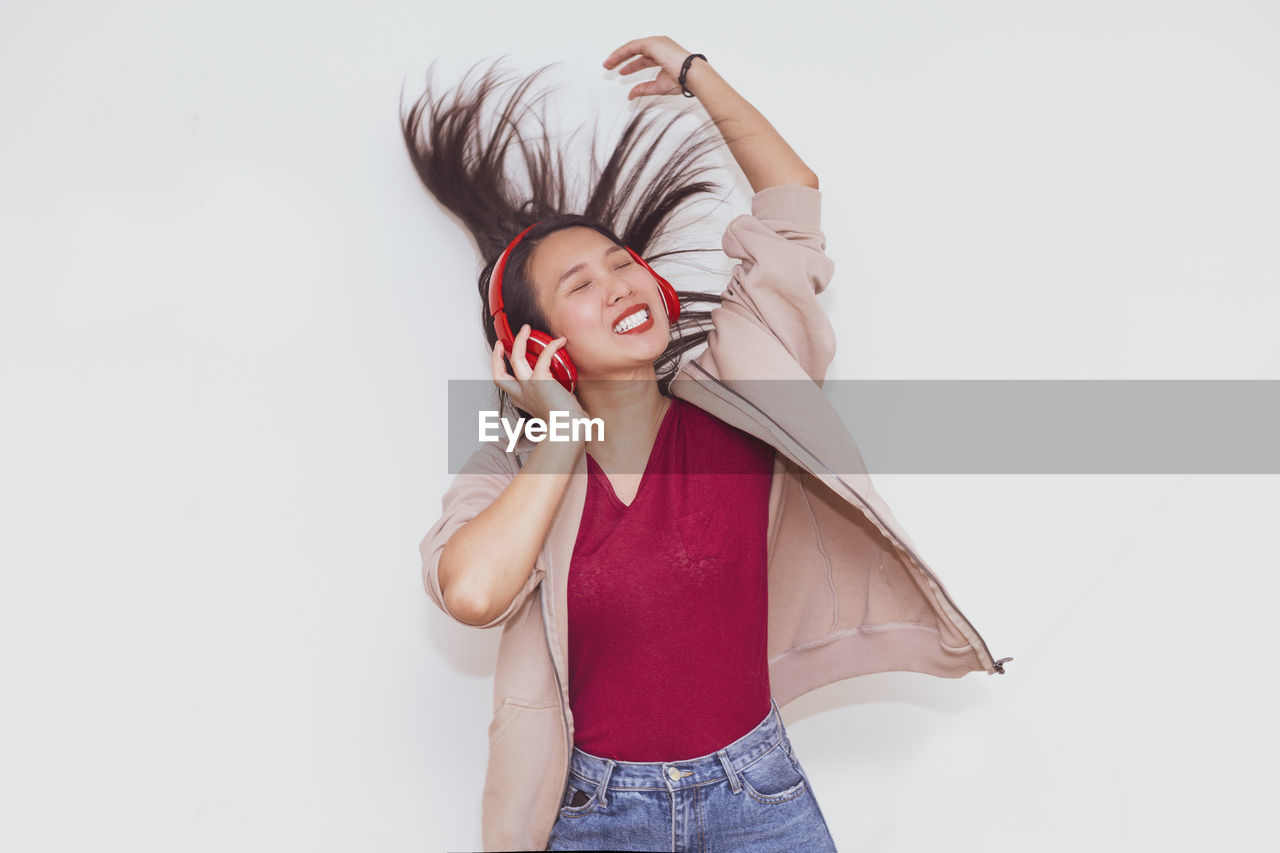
(632, 411)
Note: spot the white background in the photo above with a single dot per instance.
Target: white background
(230, 311)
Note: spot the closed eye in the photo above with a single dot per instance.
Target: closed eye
(585, 283)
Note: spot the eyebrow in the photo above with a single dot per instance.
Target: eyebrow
(579, 267)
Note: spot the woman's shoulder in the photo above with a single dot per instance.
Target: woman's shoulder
(692, 416)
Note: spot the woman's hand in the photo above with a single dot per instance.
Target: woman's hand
(533, 388)
(652, 52)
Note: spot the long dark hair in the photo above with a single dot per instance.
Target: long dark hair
(464, 167)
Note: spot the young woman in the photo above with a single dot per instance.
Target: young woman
(721, 550)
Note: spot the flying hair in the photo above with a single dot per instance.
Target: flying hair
(461, 157)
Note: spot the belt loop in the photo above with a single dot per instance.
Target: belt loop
(778, 724)
(729, 771)
(604, 783)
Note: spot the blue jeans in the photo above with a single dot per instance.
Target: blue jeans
(752, 796)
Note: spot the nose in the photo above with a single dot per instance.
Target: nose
(619, 288)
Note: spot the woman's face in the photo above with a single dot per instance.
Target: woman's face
(587, 285)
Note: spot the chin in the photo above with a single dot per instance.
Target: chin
(657, 351)
(612, 364)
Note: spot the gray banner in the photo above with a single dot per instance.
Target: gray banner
(1037, 426)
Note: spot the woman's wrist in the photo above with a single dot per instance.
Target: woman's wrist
(560, 456)
(701, 79)
(721, 101)
(681, 78)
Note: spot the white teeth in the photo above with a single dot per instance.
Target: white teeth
(632, 321)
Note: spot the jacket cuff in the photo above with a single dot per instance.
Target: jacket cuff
(789, 202)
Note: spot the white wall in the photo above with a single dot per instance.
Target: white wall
(230, 311)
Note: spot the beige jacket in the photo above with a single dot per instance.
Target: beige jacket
(848, 591)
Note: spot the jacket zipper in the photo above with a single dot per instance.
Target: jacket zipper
(546, 631)
(997, 665)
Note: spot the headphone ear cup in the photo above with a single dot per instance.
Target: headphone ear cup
(562, 367)
(670, 301)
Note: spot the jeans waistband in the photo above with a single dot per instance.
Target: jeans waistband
(610, 774)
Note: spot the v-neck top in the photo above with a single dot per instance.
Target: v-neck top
(600, 480)
(668, 597)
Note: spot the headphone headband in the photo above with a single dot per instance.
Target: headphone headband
(495, 276)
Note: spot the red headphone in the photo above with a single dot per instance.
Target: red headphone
(561, 365)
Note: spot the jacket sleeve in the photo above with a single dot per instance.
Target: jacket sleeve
(479, 482)
(782, 268)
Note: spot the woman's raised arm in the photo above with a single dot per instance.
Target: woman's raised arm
(761, 152)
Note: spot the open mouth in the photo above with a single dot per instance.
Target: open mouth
(636, 321)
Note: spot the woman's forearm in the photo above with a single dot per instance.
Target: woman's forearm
(487, 560)
(761, 152)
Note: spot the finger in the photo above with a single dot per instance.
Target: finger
(498, 359)
(638, 64)
(520, 361)
(644, 89)
(660, 85)
(542, 368)
(501, 378)
(627, 50)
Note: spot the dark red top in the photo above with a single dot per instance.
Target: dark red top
(668, 597)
